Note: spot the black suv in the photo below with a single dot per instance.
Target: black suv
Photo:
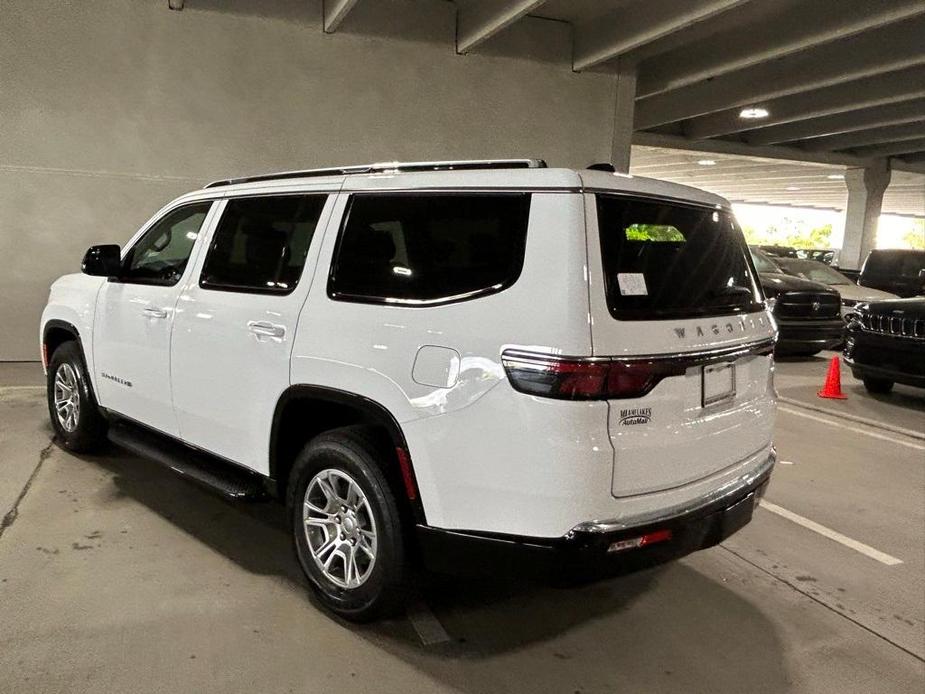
(901, 272)
(808, 314)
(886, 344)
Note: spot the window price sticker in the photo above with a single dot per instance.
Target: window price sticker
(632, 284)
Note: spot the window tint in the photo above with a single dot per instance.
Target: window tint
(161, 254)
(671, 260)
(260, 244)
(430, 248)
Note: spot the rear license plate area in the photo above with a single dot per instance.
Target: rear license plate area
(717, 384)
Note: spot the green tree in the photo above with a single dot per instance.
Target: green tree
(915, 237)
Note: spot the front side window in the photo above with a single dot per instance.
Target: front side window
(161, 254)
(260, 244)
(425, 249)
(673, 260)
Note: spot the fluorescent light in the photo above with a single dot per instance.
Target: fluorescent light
(753, 112)
(706, 162)
(836, 177)
(793, 187)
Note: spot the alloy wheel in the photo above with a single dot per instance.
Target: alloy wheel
(339, 528)
(67, 397)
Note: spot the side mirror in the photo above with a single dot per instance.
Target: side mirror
(102, 261)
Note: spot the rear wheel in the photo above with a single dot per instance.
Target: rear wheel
(72, 406)
(346, 525)
(877, 385)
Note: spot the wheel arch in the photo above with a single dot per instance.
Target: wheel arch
(304, 411)
(55, 333)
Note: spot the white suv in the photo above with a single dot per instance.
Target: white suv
(479, 365)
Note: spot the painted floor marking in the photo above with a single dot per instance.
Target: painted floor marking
(867, 550)
(4, 389)
(855, 429)
(425, 623)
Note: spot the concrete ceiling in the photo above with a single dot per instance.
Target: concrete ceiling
(842, 82)
(757, 180)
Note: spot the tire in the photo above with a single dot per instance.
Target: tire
(375, 586)
(877, 385)
(80, 427)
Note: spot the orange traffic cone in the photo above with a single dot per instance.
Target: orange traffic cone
(832, 387)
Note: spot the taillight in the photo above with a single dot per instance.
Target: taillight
(585, 378)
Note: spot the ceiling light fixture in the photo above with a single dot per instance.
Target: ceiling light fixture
(753, 113)
(793, 187)
(836, 177)
(706, 162)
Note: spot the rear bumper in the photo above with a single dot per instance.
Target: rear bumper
(804, 335)
(586, 552)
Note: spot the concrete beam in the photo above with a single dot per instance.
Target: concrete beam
(629, 28)
(895, 47)
(476, 24)
(869, 92)
(819, 22)
(745, 150)
(894, 149)
(838, 123)
(335, 11)
(873, 136)
(865, 198)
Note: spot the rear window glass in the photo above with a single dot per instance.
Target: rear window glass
(432, 248)
(261, 243)
(902, 264)
(670, 260)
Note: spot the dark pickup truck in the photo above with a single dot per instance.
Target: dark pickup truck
(808, 314)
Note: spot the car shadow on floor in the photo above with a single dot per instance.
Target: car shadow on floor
(658, 627)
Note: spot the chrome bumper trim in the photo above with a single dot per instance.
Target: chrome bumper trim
(728, 490)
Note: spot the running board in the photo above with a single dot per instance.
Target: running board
(197, 466)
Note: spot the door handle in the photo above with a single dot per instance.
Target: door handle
(266, 329)
(153, 312)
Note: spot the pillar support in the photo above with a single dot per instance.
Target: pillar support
(865, 197)
(623, 112)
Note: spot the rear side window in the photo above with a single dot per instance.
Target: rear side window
(260, 244)
(670, 260)
(430, 248)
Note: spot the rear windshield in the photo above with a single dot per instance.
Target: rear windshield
(671, 260)
(903, 264)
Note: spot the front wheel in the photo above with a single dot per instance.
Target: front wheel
(75, 415)
(346, 525)
(878, 385)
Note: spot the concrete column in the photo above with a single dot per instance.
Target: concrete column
(623, 112)
(865, 196)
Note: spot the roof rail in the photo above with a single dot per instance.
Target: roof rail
(390, 167)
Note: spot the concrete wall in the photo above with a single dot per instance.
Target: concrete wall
(109, 108)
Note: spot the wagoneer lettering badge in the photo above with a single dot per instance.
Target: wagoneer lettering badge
(717, 328)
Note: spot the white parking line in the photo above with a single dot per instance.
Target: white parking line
(425, 623)
(4, 389)
(867, 550)
(856, 429)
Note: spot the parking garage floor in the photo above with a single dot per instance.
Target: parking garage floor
(117, 576)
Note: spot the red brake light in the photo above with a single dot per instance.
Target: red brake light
(584, 378)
